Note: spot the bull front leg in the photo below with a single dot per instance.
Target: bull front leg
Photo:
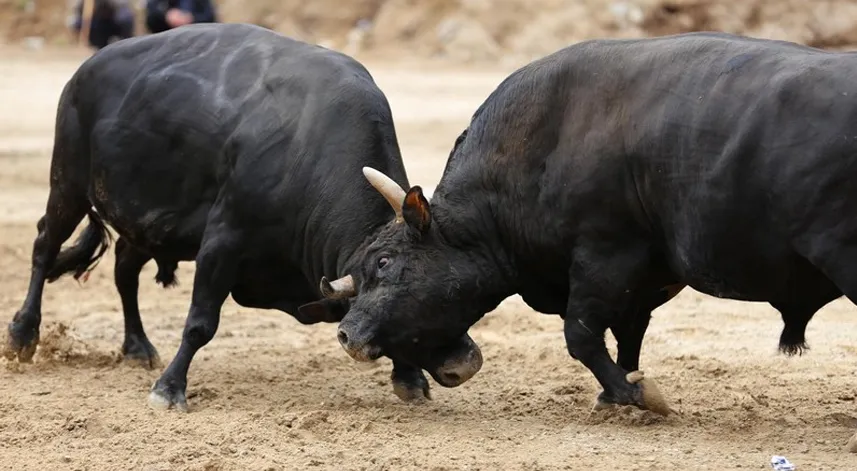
(631, 328)
(216, 264)
(629, 341)
(601, 278)
(629, 333)
(409, 383)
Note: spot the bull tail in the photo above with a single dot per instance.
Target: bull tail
(82, 257)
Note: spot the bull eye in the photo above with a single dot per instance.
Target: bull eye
(382, 262)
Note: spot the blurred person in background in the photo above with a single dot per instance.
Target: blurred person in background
(110, 20)
(162, 15)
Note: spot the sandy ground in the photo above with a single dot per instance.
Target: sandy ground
(268, 393)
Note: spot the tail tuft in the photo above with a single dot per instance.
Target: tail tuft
(83, 256)
(792, 349)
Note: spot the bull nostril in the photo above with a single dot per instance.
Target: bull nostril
(343, 337)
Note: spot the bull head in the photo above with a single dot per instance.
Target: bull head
(343, 288)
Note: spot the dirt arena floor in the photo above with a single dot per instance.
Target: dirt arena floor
(268, 393)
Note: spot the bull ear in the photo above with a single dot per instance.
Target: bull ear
(326, 310)
(416, 210)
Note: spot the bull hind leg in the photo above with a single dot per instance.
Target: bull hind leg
(837, 260)
(67, 205)
(216, 273)
(61, 217)
(136, 348)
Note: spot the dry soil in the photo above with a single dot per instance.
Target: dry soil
(268, 393)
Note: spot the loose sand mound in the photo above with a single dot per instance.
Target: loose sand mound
(475, 30)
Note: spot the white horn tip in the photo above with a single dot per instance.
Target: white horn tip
(369, 172)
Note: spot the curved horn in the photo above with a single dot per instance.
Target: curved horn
(337, 289)
(392, 192)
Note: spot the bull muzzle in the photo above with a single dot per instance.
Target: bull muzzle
(356, 340)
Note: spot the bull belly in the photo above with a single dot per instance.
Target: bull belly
(743, 277)
(162, 233)
(270, 282)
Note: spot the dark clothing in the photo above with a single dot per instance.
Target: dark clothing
(102, 31)
(109, 20)
(203, 11)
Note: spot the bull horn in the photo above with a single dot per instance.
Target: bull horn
(338, 289)
(390, 190)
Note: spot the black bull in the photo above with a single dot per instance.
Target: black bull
(599, 176)
(232, 146)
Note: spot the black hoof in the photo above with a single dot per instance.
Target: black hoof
(631, 395)
(165, 396)
(640, 392)
(604, 401)
(139, 351)
(411, 387)
(22, 342)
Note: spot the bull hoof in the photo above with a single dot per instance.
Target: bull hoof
(21, 343)
(852, 444)
(652, 399)
(140, 352)
(603, 403)
(165, 397)
(412, 391)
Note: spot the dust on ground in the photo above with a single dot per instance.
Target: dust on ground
(269, 393)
